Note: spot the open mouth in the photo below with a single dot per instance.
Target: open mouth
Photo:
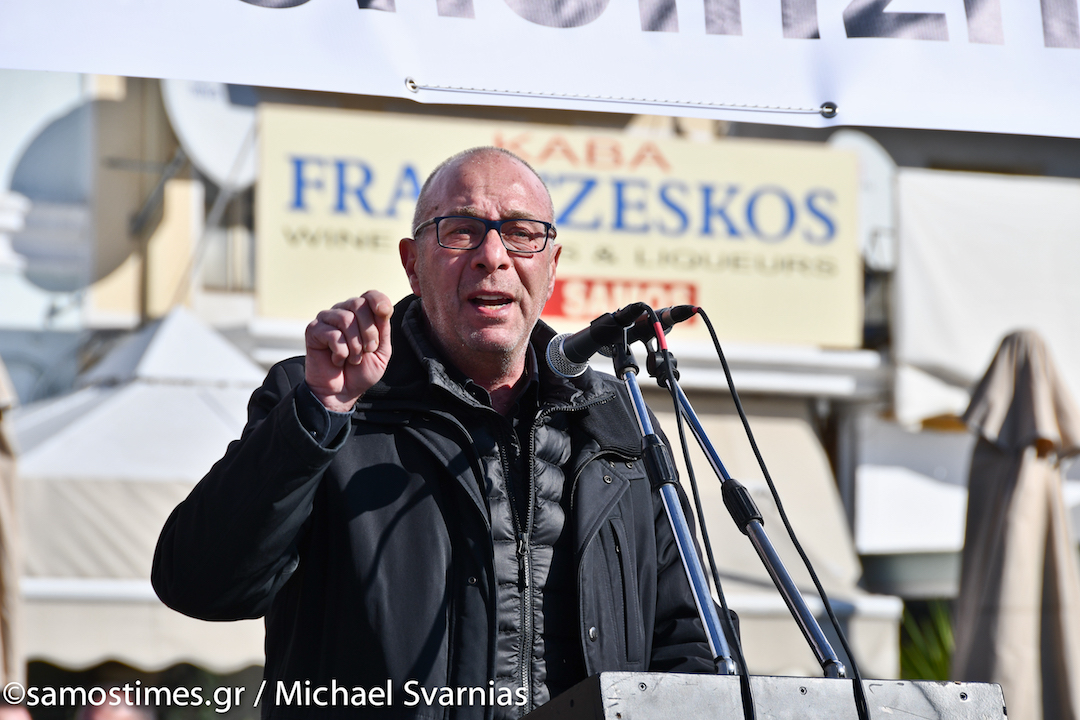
(490, 300)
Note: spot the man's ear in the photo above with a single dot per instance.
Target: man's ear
(556, 250)
(409, 256)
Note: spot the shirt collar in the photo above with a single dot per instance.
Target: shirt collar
(529, 384)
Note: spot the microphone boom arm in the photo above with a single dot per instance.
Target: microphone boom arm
(749, 521)
(661, 470)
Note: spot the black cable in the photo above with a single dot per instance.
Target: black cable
(734, 641)
(861, 704)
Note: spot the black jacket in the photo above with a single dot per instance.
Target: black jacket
(373, 559)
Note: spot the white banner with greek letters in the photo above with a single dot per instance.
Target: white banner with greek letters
(1008, 66)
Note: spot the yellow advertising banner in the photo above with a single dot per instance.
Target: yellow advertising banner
(761, 234)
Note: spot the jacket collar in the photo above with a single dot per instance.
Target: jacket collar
(416, 376)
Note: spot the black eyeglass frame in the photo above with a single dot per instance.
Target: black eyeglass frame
(489, 225)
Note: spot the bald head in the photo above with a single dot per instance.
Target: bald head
(472, 155)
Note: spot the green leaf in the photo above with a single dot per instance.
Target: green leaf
(926, 641)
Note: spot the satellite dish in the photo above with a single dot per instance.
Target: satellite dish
(877, 197)
(216, 127)
(13, 209)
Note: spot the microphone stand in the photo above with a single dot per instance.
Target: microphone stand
(661, 471)
(748, 518)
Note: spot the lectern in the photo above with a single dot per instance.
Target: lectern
(660, 696)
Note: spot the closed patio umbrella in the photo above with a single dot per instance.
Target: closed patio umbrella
(11, 662)
(1018, 613)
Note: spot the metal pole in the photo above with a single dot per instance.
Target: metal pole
(662, 472)
(753, 527)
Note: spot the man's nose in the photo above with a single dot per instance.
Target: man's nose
(491, 254)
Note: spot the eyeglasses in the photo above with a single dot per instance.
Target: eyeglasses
(460, 232)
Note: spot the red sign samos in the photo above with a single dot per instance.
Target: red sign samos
(587, 298)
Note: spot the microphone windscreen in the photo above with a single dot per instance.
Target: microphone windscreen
(559, 363)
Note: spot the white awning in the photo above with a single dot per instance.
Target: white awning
(81, 622)
(101, 469)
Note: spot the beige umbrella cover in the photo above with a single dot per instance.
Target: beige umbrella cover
(11, 665)
(1018, 613)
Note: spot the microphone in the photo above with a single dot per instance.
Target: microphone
(568, 354)
(644, 330)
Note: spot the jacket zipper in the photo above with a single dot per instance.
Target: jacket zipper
(526, 559)
(525, 568)
(622, 588)
(524, 552)
(526, 617)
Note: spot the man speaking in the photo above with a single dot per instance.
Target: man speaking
(433, 523)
